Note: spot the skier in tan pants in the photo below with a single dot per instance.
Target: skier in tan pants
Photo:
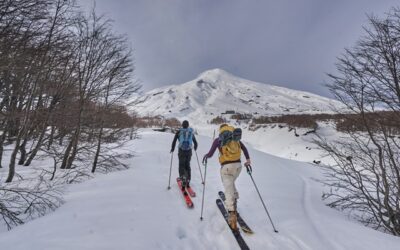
(230, 148)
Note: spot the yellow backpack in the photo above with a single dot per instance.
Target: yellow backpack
(229, 144)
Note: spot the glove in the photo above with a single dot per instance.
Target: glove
(172, 150)
(247, 164)
(195, 147)
(205, 160)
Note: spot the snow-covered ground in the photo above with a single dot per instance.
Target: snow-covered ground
(133, 209)
(295, 144)
(280, 140)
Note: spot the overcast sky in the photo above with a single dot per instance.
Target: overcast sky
(290, 43)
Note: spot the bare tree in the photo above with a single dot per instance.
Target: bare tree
(65, 77)
(21, 202)
(118, 86)
(104, 68)
(20, 59)
(40, 43)
(366, 176)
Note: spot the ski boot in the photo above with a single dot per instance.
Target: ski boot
(184, 183)
(232, 220)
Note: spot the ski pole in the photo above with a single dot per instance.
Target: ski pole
(249, 171)
(204, 189)
(198, 164)
(170, 170)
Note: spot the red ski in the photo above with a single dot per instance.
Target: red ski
(186, 196)
(190, 191)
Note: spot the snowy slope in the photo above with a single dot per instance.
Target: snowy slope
(216, 91)
(133, 209)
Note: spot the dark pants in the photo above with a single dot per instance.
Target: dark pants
(184, 164)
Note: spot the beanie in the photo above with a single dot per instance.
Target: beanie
(185, 124)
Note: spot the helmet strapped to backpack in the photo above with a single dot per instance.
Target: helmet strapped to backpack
(237, 134)
(185, 138)
(229, 144)
(228, 133)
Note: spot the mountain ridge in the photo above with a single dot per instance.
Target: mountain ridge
(216, 91)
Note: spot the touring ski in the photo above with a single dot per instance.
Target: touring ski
(186, 196)
(236, 233)
(190, 191)
(243, 225)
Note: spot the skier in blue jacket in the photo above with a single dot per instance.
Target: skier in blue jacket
(186, 138)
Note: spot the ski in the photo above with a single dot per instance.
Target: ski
(236, 233)
(186, 196)
(243, 225)
(190, 191)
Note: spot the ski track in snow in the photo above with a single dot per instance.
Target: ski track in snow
(308, 211)
(292, 239)
(318, 231)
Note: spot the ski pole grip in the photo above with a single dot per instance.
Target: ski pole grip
(249, 169)
(204, 161)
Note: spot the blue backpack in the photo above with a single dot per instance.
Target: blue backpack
(185, 138)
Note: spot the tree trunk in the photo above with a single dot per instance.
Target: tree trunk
(61, 134)
(96, 157)
(131, 134)
(75, 141)
(75, 138)
(2, 140)
(66, 155)
(22, 149)
(54, 169)
(37, 147)
(51, 138)
(11, 171)
(12, 122)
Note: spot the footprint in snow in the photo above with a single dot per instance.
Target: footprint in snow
(180, 233)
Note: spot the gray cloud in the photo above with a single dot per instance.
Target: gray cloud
(291, 43)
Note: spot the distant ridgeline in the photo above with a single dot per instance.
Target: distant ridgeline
(343, 122)
(157, 121)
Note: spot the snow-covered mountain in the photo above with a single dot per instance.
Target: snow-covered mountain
(217, 91)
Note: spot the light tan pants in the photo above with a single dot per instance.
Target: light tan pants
(229, 173)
